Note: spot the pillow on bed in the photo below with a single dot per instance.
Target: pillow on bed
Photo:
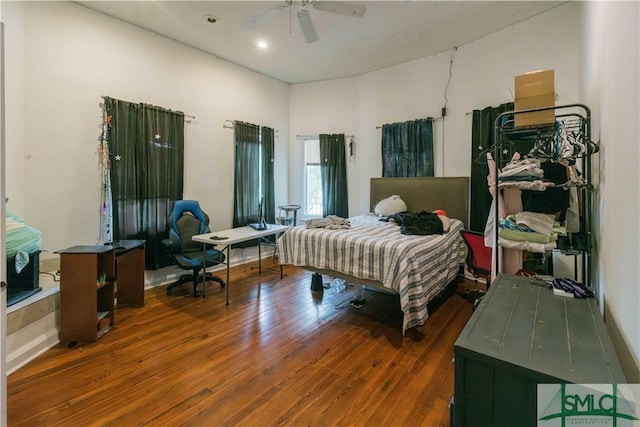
(389, 206)
(446, 222)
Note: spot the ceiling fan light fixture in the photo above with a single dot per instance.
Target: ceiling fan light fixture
(346, 8)
(306, 25)
(356, 10)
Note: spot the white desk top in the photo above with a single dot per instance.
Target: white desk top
(237, 235)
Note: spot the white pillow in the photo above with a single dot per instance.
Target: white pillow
(389, 206)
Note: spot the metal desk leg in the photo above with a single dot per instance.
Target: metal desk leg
(228, 285)
(204, 270)
(259, 256)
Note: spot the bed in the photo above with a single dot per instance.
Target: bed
(23, 244)
(375, 254)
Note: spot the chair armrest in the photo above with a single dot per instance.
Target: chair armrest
(171, 245)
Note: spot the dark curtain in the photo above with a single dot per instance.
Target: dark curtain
(147, 172)
(247, 174)
(268, 155)
(407, 148)
(333, 172)
(482, 138)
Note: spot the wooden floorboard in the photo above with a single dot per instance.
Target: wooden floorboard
(276, 355)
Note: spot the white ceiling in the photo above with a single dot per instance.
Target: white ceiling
(391, 32)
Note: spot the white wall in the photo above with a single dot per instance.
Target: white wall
(483, 74)
(14, 107)
(73, 56)
(610, 86)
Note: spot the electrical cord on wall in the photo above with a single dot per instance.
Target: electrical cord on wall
(446, 88)
(446, 101)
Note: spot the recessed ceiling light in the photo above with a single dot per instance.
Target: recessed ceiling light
(262, 44)
(210, 19)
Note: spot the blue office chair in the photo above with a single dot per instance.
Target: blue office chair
(185, 221)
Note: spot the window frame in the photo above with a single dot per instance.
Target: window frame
(306, 164)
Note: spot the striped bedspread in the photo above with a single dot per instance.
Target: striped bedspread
(417, 267)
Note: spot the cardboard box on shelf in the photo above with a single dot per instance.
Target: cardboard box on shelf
(535, 90)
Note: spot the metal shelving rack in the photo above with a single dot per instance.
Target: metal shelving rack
(575, 120)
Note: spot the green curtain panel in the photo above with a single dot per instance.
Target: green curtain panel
(147, 173)
(246, 195)
(268, 156)
(333, 171)
(482, 138)
(407, 148)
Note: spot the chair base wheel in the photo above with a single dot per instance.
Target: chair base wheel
(189, 279)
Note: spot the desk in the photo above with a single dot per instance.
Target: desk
(92, 278)
(129, 272)
(232, 236)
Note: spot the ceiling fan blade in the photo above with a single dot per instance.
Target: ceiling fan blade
(356, 10)
(307, 27)
(265, 16)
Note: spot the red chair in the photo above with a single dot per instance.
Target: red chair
(478, 255)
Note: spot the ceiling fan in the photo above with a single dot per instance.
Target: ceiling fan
(301, 10)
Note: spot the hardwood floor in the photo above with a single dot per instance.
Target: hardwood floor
(277, 355)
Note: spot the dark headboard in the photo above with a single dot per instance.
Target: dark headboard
(426, 194)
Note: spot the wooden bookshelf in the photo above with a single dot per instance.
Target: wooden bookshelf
(87, 292)
(93, 280)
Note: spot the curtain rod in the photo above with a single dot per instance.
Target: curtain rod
(316, 136)
(186, 115)
(233, 122)
(435, 119)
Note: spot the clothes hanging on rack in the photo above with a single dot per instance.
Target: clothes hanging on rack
(535, 185)
(553, 200)
(512, 203)
(540, 223)
(525, 174)
(529, 227)
(569, 142)
(508, 202)
(525, 169)
(526, 246)
(558, 200)
(563, 149)
(573, 216)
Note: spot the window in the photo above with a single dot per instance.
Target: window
(147, 144)
(407, 148)
(253, 182)
(313, 180)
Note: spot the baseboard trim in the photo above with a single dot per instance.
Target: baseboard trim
(31, 341)
(624, 350)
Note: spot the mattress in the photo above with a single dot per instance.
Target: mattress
(416, 267)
